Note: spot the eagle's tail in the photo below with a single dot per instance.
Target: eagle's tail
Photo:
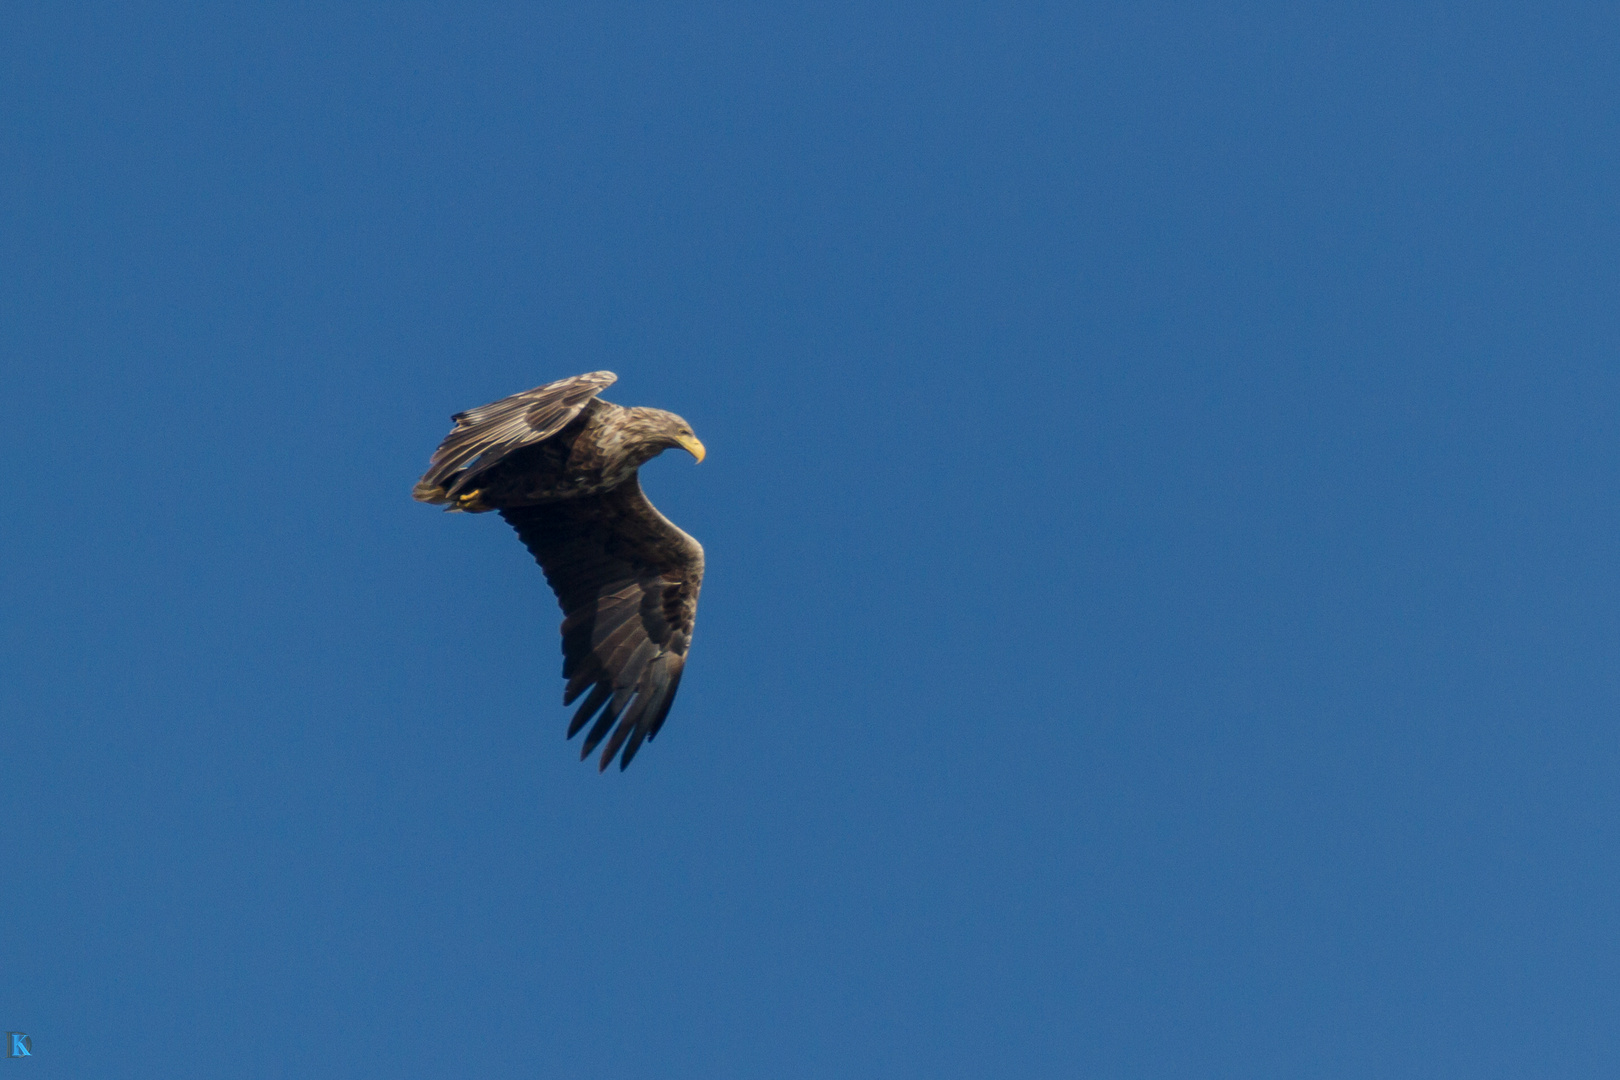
(430, 493)
(467, 502)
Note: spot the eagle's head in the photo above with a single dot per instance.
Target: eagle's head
(653, 431)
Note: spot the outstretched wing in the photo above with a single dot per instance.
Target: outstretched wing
(628, 582)
(485, 435)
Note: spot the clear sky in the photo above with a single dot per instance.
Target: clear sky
(1160, 513)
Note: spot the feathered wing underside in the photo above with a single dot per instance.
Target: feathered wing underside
(484, 436)
(627, 580)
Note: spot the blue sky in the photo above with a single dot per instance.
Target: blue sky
(1160, 617)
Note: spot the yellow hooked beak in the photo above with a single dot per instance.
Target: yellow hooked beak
(690, 444)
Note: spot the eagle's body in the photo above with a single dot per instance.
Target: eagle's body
(560, 466)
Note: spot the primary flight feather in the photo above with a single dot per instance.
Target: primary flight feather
(559, 463)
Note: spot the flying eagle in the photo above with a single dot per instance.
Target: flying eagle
(560, 465)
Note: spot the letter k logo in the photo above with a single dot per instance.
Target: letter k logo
(21, 1045)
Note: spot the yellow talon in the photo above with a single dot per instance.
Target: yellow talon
(472, 503)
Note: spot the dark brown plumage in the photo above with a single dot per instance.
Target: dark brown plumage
(560, 466)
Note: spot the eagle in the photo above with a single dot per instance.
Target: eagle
(559, 464)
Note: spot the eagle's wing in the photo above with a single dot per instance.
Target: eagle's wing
(628, 581)
(485, 435)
